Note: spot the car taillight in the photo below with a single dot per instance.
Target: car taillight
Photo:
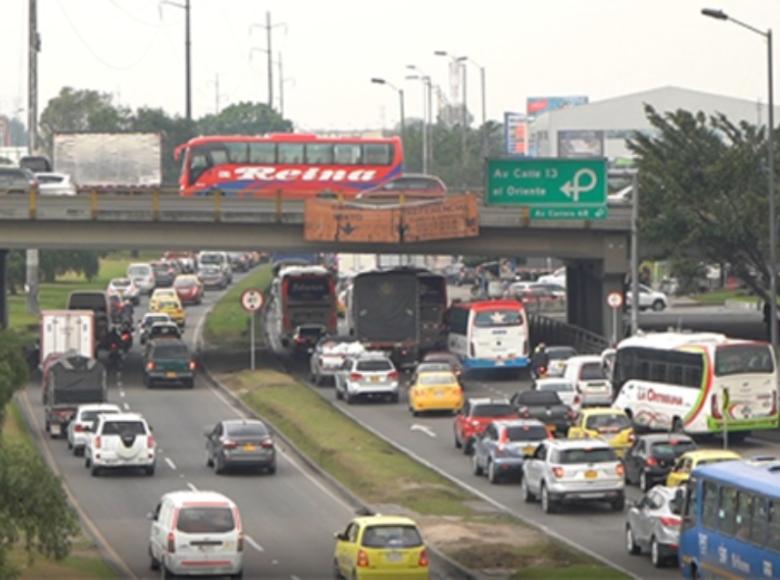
(150, 366)
(98, 442)
(632, 437)
(126, 336)
(362, 559)
(355, 376)
(670, 521)
(524, 412)
(79, 428)
(393, 376)
(193, 365)
(620, 470)
(267, 443)
(229, 444)
(150, 442)
(423, 562)
(651, 462)
(171, 543)
(474, 422)
(714, 407)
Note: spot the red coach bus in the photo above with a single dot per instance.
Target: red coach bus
(299, 165)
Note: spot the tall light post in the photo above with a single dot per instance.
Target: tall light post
(427, 142)
(460, 62)
(720, 15)
(400, 92)
(187, 54)
(268, 27)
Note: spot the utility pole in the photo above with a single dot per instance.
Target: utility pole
(34, 46)
(281, 85)
(464, 116)
(187, 54)
(269, 52)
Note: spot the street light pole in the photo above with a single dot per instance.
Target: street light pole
(187, 54)
(426, 83)
(720, 15)
(379, 81)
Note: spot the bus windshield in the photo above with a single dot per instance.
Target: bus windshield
(740, 359)
(498, 318)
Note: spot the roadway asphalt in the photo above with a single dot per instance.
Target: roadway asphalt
(289, 518)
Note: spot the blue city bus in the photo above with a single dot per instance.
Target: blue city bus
(731, 521)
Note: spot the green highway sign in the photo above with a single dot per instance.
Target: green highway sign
(561, 213)
(552, 188)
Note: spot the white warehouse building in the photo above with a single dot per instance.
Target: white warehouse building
(600, 129)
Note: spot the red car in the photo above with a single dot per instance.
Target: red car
(475, 417)
(189, 289)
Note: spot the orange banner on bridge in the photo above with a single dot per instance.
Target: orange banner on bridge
(331, 221)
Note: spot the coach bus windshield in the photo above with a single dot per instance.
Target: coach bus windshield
(743, 359)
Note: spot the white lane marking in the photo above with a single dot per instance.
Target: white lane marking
(251, 542)
(192, 486)
(427, 430)
(170, 463)
(505, 508)
(288, 457)
(126, 406)
(294, 578)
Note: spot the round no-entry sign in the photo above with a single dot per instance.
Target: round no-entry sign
(252, 300)
(615, 300)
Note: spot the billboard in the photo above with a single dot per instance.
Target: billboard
(580, 143)
(535, 106)
(456, 216)
(515, 134)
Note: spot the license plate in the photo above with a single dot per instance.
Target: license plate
(394, 556)
(55, 429)
(439, 394)
(551, 428)
(375, 379)
(249, 447)
(591, 474)
(528, 450)
(170, 375)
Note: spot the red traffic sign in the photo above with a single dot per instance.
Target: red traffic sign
(615, 300)
(252, 299)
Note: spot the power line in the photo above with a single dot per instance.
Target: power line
(96, 55)
(133, 16)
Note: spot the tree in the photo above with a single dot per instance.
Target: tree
(81, 110)
(703, 192)
(34, 510)
(175, 131)
(244, 118)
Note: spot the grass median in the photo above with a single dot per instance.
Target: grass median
(228, 324)
(461, 525)
(84, 560)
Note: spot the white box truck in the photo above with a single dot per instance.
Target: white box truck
(67, 330)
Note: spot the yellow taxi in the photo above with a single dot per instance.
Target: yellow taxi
(607, 423)
(685, 464)
(161, 294)
(380, 547)
(435, 391)
(173, 308)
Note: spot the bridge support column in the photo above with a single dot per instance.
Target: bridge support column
(3, 289)
(589, 282)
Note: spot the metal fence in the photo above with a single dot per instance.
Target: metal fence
(551, 331)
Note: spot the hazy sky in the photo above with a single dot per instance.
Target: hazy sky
(600, 48)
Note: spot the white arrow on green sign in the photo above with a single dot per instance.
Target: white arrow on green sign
(552, 188)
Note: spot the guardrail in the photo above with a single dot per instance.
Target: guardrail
(550, 331)
(166, 205)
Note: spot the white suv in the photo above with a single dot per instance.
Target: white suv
(196, 532)
(371, 374)
(83, 423)
(649, 298)
(569, 470)
(120, 440)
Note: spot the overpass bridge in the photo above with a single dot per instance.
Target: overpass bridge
(596, 253)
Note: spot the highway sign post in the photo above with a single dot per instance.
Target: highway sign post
(252, 301)
(552, 188)
(615, 302)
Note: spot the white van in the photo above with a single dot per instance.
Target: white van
(196, 532)
(587, 373)
(220, 259)
(142, 275)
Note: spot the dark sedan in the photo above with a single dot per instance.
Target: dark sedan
(240, 443)
(164, 274)
(545, 406)
(652, 457)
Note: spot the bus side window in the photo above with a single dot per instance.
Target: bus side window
(688, 501)
(727, 512)
(760, 521)
(773, 537)
(744, 518)
(709, 515)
